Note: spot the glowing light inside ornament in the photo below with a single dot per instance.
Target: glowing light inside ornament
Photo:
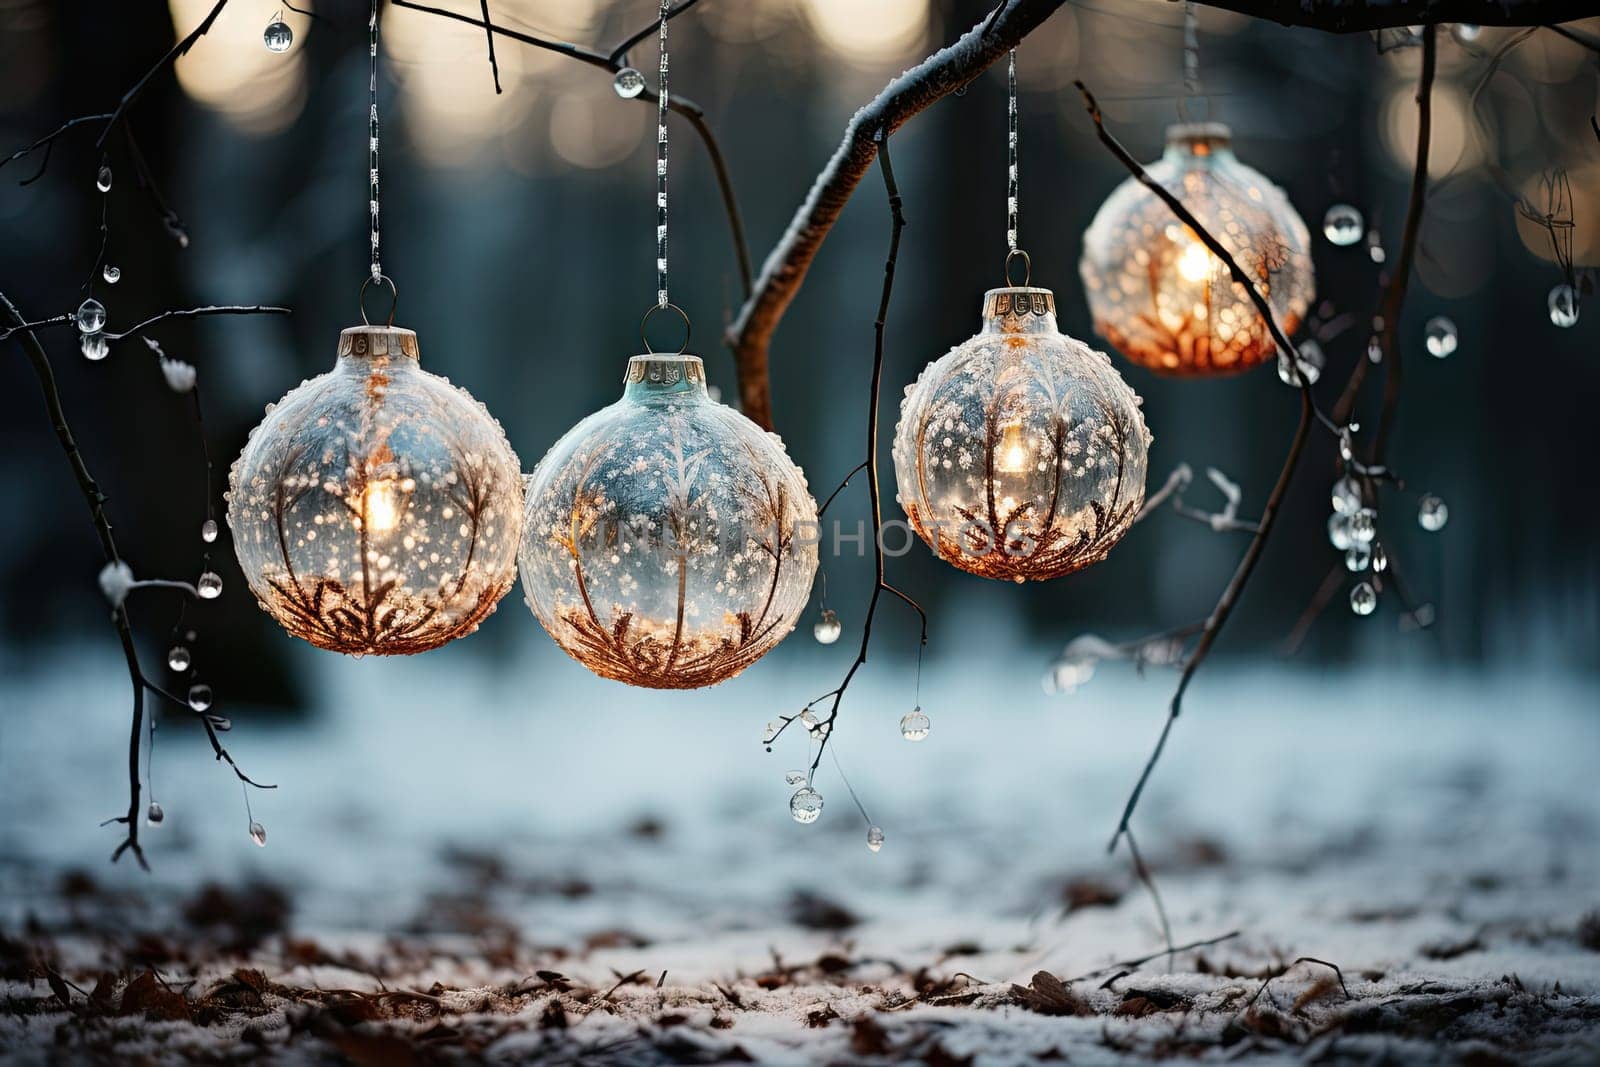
(1020, 454)
(377, 509)
(1161, 297)
(1194, 264)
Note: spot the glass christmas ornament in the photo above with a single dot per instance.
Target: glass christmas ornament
(1021, 453)
(669, 542)
(1157, 293)
(377, 508)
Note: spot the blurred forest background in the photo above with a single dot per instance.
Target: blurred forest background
(519, 230)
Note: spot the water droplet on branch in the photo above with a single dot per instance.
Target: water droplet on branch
(874, 838)
(178, 658)
(153, 814)
(258, 834)
(278, 36)
(828, 628)
(199, 696)
(102, 179)
(628, 83)
(208, 531)
(209, 586)
(806, 805)
(914, 725)
(111, 274)
(91, 316)
(1432, 513)
(1440, 336)
(1342, 225)
(1363, 599)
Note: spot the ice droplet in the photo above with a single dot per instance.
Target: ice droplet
(1342, 225)
(1363, 526)
(102, 179)
(1311, 363)
(94, 347)
(1380, 558)
(628, 83)
(914, 725)
(199, 696)
(828, 628)
(874, 838)
(153, 814)
(1432, 513)
(258, 834)
(795, 778)
(1357, 558)
(178, 658)
(1346, 495)
(806, 805)
(1440, 336)
(1339, 532)
(278, 36)
(1564, 306)
(208, 531)
(209, 586)
(91, 316)
(1468, 31)
(1363, 599)
(111, 274)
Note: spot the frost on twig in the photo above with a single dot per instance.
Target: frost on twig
(180, 376)
(1177, 484)
(1077, 662)
(117, 581)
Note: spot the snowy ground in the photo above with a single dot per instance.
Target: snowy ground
(466, 862)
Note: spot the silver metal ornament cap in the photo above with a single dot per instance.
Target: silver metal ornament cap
(657, 372)
(378, 342)
(1199, 138)
(1019, 309)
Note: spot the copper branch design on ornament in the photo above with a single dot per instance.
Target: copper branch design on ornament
(627, 651)
(380, 617)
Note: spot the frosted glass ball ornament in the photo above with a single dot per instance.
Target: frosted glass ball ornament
(1157, 293)
(1021, 453)
(376, 510)
(670, 542)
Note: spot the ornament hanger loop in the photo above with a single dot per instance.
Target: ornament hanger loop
(688, 328)
(1027, 267)
(394, 300)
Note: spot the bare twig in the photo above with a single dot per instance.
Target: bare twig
(1143, 874)
(1247, 565)
(880, 586)
(1128, 966)
(951, 68)
(139, 328)
(95, 499)
(173, 55)
(488, 32)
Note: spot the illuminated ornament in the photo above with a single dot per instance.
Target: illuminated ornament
(377, 508)
(669, 543)
(1157, 293)
(1021, 453)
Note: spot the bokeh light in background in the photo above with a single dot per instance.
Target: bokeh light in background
(233, 73)
(881, 29)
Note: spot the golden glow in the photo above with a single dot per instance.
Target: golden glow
(231, 72)
(381, 504)
(875, 31)
(1194, 263)
(1013, 455)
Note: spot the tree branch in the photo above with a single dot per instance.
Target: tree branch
(95, 499)
(949, 69)
(173, 55)
(1269, 514)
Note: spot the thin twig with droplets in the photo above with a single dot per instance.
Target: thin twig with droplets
(139, 328)
(1269, 513)
(824, 727)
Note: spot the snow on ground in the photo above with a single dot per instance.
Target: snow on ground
(464, 861)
